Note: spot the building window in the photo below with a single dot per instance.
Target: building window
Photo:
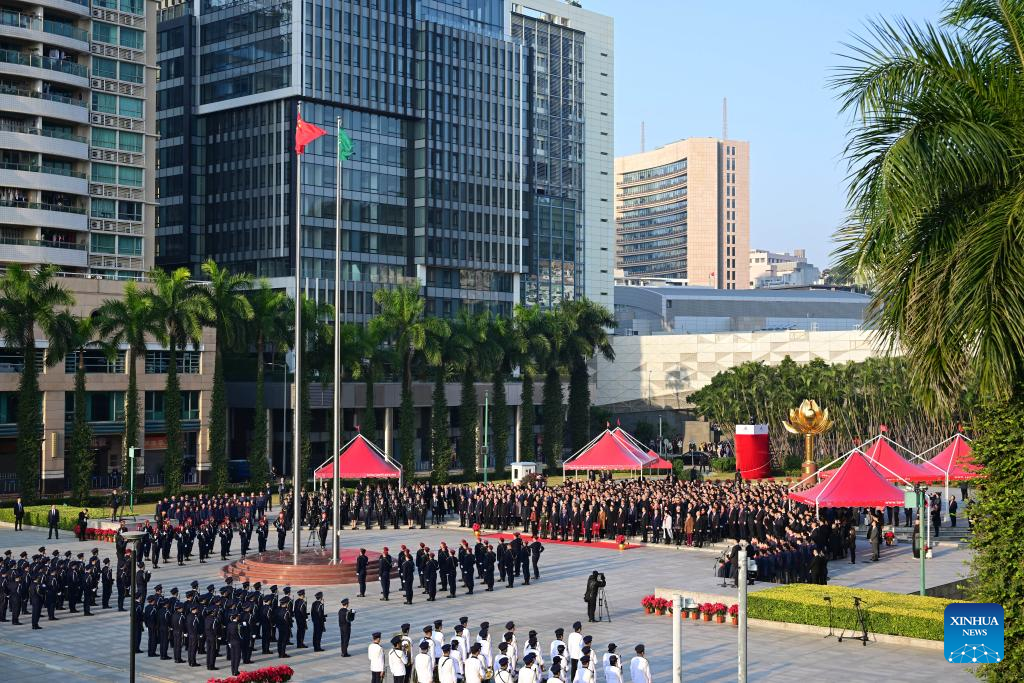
(100, 406)
(155, 410)
(130, 107)
(156, 362)
(104, 68)
(129, 176)
(95, 361)
(103, 103)
(132, 38)
(102, 244)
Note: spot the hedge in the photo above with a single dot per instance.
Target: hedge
(35, 515)
(895, 614)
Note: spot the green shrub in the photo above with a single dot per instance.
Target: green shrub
(36, 515)
(890, 613)
(723, 464)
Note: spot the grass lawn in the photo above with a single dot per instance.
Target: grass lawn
(68, 511)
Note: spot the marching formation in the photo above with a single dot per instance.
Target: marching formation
(30, 585)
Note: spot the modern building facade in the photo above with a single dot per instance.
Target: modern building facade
(77, 135)
(682, 212)
(571, 138)
(436, 97)
(772, 269)
(701, 310)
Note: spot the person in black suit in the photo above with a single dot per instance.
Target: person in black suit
(345, 618)
(19, 514)
(361, 564)
(83, 523)
(952, 511)
(405, 572)
(323, 526)
(234, 644)
(284, 628)
(210, 631)
(52, 522)
(300, 611)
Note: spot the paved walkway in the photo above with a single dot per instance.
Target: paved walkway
(79, 648)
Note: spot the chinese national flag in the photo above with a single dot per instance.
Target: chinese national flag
(305, 133)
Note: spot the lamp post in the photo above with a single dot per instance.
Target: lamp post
(132, 537)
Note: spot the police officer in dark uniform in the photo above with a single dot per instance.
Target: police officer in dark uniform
(234, 638)
(323, 526)
(300, 612)
(180, 625)
(284, 628)
(405, 572)
(194, 627)
(384, 564)
(210, 633)
(319, 617)
(361, 565)
(345, 618)
(107, 580)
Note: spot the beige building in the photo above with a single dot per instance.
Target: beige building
(682, 213)
(106, 384)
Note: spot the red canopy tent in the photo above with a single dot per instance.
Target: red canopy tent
(893, 466)
(956, 460)
(855, 484)
(609, 450)
(659, 463)
(361, 459)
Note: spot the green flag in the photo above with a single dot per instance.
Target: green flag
(345, 149)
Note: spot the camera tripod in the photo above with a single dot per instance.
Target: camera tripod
(311, 538)
(862, 624)
(831, 632)
(602, 606)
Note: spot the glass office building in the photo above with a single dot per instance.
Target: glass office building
(438, 191)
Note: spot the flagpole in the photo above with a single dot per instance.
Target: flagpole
(336, 441)
(296, 424)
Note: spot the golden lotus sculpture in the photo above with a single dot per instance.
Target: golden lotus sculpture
(808, 419)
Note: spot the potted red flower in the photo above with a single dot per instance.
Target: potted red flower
(476, 531)
(662, 605)
(621, 540)
(706, 610)
(648, 603)
(719, 610)
(270, 674)
(734, 612)
(694, 612)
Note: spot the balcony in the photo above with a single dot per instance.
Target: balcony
(37, 30)
(43, 141)
(45, 178)
(29, 65)
(35, 103)
(41, 251)
(37, 214)
(78, 7)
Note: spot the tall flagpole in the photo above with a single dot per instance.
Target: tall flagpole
(336, 441)
(296, 420)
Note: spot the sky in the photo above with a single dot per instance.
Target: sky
(676, 59)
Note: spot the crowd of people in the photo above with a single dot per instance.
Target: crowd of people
(479, 654)
(52, 582)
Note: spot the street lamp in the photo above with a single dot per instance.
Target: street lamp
(132, 537)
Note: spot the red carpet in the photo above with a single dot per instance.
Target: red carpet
(607, 545)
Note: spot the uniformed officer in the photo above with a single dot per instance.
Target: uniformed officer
(194, 627)
(300, 612)
(284, 627)
(319, 618)
(107, 580)
(210, 633)
(384, 565)
(179, 622)
(361, 565)
(234, 644)
(345, 618)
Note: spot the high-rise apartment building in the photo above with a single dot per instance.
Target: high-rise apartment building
(570, 143)
(77, 125)
(682, 212)
(435, 96)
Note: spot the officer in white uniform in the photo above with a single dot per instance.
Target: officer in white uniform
(375, 653)
(639, 670)
(423, 664)
(474, 665)
(398, 661)
(447, 670)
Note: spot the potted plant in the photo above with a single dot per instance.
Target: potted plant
(720, 609)
(660, 604)
(734, 612)
(621, 540)
(705, 611)
(694, 611)
(648, 603)
(476, 531)
(270, 674)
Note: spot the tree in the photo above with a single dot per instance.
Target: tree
(503, 347)
(269, 327)
(228, 311)
(30, 299)
(127, 321)
(181, 306)
(555, 327)
(588, 324)
(367, 358)
(474, 349)
(936, 181)
(401, 319)
(78, 334)
(317, 352)
(527, 347)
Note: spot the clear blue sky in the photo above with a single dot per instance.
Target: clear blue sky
(676, 59)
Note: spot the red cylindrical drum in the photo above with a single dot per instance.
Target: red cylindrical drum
(753, 457)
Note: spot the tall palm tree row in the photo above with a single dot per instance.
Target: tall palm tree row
(249, 317)
(936, 155)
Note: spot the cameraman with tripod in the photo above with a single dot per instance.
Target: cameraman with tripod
(595, 583)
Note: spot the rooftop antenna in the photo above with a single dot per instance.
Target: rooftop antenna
(643, 146)
(725, 118)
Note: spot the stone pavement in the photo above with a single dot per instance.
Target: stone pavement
(79, 648)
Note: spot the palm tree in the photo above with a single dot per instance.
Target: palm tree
(317, 351)
(400, 318)
(527, 347)
(937, 177)
(443, 351)
(78, 334)
(31, 299)
(127, 321)
(470, 336)
(556, 329)
(229, 310)
(365, 362)
(268, 326)
(181, 306)
(502, 345)
(588, 324)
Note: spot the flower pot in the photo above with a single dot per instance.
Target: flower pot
(707, 617)
(695, 615)
(662, 611)
(650, 610)
(735, 621)
(719, 618)
(622, 546)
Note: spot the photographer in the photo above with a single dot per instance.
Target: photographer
(594, 585)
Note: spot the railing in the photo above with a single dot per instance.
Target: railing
(50, 97)
(42, 243)
(38, 61)
(34, 168)
(27, 21)
(31, 130)
(43, 206)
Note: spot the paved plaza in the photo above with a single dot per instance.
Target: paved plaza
(78, 648)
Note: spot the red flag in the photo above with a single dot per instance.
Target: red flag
(618, 422)
(883, 428)
(305, 133)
